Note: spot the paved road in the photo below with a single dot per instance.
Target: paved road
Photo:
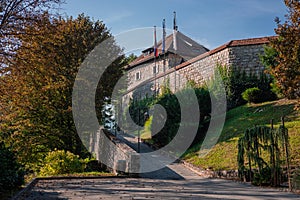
(142, 188)
(173, 171)
(172, 182)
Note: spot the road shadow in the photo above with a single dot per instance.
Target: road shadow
(163, 174)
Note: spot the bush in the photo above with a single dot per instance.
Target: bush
(256, 95)
(11, 172)
(61, 162)
(253, 95)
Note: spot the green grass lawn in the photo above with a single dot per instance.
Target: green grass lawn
(224, 154)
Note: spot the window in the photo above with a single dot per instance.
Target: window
(155, 69)
(138, 76)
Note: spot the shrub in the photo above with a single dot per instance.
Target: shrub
(93, 165)
(11, 172)
(256, 95)
(236, 82)
(253, 95)
(61, 162)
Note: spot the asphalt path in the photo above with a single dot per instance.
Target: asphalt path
(143, 188)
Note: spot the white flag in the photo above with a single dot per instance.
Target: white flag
(175, 40)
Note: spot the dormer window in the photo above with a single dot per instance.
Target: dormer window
(147, 52)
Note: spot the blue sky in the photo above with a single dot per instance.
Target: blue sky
(209, 22)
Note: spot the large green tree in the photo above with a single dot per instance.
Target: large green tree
(36, 110)
(286, 67)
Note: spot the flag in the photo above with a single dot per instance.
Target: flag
(175, 33)
(164, 36)
(155, 43)
(175, 40)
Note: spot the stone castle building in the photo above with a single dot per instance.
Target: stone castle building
(189, 61)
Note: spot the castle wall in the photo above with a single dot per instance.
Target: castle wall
(146, 71)
(247, 58)
(244, 57)
(203, 69)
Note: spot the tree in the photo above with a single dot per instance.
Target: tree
(286, 69)
(15, 16)
(37, 85)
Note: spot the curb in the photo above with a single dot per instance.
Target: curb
(27, 188)
(201, 172)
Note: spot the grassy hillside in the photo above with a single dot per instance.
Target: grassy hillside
(223, 155)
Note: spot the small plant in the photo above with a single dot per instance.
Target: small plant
(61, 162)
(253, 95)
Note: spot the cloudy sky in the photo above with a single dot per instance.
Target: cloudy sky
(209, 22)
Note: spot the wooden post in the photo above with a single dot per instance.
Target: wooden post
(273, 169)
(249, 161)
(286, 146)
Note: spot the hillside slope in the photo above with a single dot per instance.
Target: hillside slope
(224, 154)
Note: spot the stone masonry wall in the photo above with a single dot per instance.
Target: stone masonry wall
(246, 58)
(146, 70)
(114, 153)
(203, 69)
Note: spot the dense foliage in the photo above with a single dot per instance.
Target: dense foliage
(37, 109)
(11, 172)
(256, 168)
(169, 101)
(236, 82)
(61, 162)
(286, 65)
(36, 86)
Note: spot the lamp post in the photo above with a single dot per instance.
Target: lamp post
(139, 134)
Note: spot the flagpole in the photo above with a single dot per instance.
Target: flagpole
(155, 54)
(175, 46)
(164, 48)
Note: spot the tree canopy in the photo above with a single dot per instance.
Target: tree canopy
(286, 66)
(36, 85)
